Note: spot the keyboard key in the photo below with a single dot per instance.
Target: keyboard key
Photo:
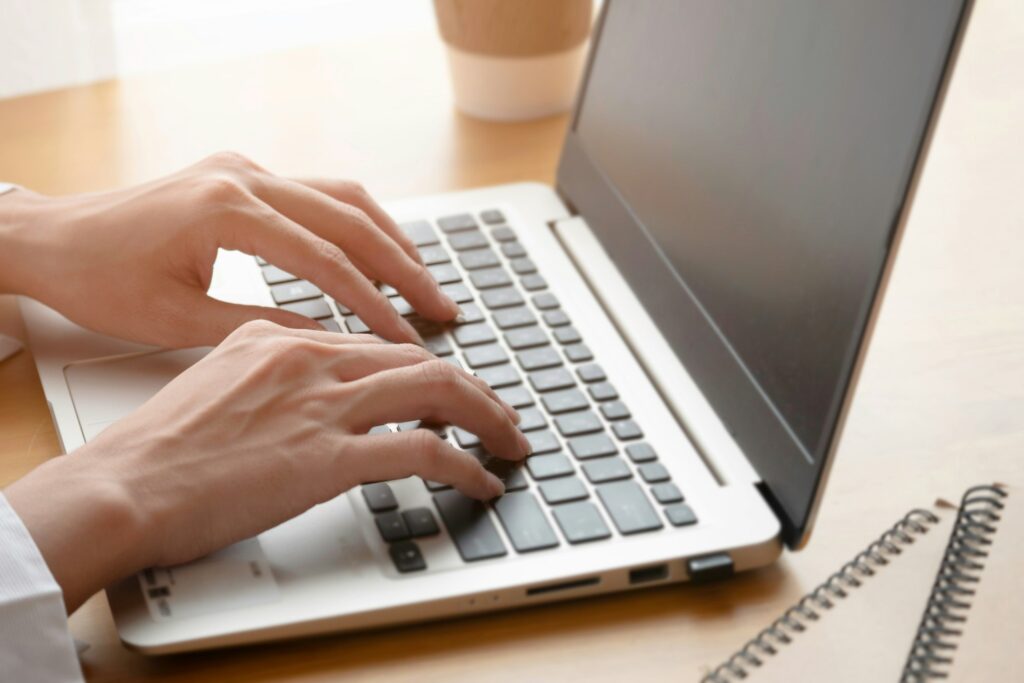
(407, 557)
(545, 301)
(438, 345)
(680, 515)
(523, 266)
(556, 318)
(564, 401)
(542, 442)
(614, 410)
(457, 292)
(567, 335)
(503, 297)
(465, 439)
(509, 318)
(380, 429)
(379, 497)
(391, 527)
(526, 337)
(549, 466)
(342, 308)
(260, 260)
(482, 356)
(471, 335)
(654, 473)
(444, 273)
(628, 507)
(667, 493)
(478, 258)
(467, 240)
(592, 372)
(627, 429)
(531, 419)
(387, 290)
(469, 525)
(420, 522)
(488, 278)
(436, 485)
(533, 282)
(273, 275)
(434, 254)
(513, 249)
(517, 397)
(603, 391)
(606, 469)
(294, 291)
(458, 223)
(355, 325)
(538, 359)
(592, 446)
(492, 216)
(581, 522)
(420, 233)
(312, 308)
(641, 452)
(524, 522)
(331, 325)
(498, 376)
(574, 424)
(578, 353)
(516, 480)
(563, 490)
(471, 313)
(315, 308)
(401, 306)
(503, 233)
(549, 380)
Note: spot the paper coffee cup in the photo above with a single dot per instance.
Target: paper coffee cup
(513, 60)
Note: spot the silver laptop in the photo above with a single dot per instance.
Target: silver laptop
(680, 321)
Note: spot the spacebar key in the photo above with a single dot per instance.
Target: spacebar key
(470, 526)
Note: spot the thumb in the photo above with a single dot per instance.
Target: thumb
(216, 319)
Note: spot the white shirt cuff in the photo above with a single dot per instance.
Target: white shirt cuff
(35, 644)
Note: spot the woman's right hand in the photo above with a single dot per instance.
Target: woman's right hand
(269, 424)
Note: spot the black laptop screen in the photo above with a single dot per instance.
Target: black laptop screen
(762, 150)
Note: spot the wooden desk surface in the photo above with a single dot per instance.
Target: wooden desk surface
(940, 405)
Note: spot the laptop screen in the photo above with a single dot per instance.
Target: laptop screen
(758, 153)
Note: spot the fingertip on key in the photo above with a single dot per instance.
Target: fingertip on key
(495, 486)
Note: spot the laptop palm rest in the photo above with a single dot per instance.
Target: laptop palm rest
(103, 391)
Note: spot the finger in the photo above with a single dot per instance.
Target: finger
(260, 229)
(363, 241)
(357, 362)
(437, 392)
(385, 457)
(353, 193)
(213, 320)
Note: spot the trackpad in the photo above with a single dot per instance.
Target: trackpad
(104, 391)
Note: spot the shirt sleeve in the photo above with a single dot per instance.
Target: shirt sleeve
(35, 644)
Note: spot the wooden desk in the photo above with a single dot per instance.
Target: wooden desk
(940, 406)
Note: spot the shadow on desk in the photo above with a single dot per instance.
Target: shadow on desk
(600, 638)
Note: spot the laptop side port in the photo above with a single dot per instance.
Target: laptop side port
(564, 586)
(656, 572)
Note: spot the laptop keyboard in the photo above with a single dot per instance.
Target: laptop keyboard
(589, 464)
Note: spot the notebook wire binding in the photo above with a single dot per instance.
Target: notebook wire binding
(825, 596)
(941, 625)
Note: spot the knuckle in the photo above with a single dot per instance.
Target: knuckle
(439, 374)
(232, 159)
(356, 190)
(413, 353)
(221, 189)
(256, 328)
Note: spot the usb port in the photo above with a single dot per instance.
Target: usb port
(657, 572)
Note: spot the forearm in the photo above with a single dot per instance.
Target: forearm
(21, 212)
(82, 521)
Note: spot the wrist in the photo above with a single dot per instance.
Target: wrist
(83, 522)
(23, 214)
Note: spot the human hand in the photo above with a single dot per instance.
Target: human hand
(137, 263)
(269, 424)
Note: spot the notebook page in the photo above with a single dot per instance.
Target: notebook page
(867, 635)
(993, 634)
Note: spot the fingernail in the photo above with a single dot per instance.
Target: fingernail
(460, 317)
(496, 487)
(524, 444)
(516, 417)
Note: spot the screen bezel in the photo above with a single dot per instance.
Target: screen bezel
(793, 494)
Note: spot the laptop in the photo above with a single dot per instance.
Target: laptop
(680, 320)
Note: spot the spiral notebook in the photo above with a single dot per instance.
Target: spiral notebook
(936, 596)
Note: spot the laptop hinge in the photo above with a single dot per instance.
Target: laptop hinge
(686, 402)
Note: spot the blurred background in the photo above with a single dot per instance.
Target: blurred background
(57, 43)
